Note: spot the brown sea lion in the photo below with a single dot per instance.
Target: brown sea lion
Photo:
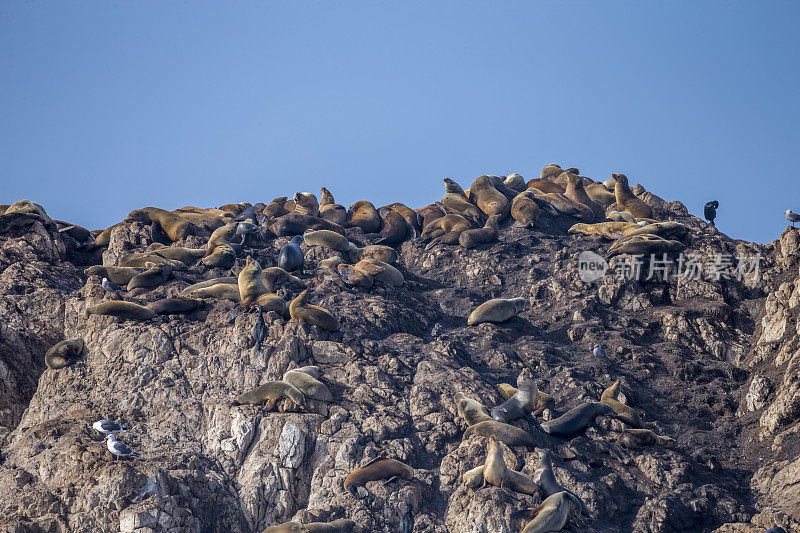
(270, 393)
(475, 237)
(496, 310)
(26, 206)
(624, 412)
(550, 172)
(410, 216)
(363, 214)
(472, 411)
(545, 186)
(515, 182)
(668, 230)
(208, 283)
(174, 306)
(522, 403)
(445, 230)
(316, 316)
(275, 276)
(524, 209)
(235, 209)
(497, 473)
(381, 271)
(608, 230)
(546, 479)
(250, 284)
(645, 245)
(387, 254)
(577, 193)
(505, 433)
(220, 236)
(627, 201)
(598, 192)
(488, 199)
(63, 353)
(221, 291)
(119, 275)
(287, 527)
(152, 277)
(455, 201)
(289, 225)
(305, 203)
(330, 210)
(552, 514)
(430, 213)
(274, 209)
(307, 383)
(576, 420)
(543, 400)
(633, 438)
(394, 228)
(563, 178)
(121, 309)
(224, 256)
(342, 525)
(174, 226)
(326, 239)
(354, 276)
(143, 259)
(557, 204)
(377, 469)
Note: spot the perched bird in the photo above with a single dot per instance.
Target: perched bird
(107, 427)
(792, 217)
(710, 211)
(110, 286)
(117, 448)
(260, 328)
(244, 229)
(599, 352)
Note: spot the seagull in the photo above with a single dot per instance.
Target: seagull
(117, 448)
(599, 352)
(110, 286)
(107, 427)
(792, 217)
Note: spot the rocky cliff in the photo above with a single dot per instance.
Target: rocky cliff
(712, 363)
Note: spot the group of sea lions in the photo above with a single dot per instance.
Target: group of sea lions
(526, 402)
(469, 218)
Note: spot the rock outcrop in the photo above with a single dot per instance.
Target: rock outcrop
(710, 362)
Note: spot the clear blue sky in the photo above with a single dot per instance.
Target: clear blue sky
(110, 106)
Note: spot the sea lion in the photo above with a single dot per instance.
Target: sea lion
(624, 216)
(488, 199)
(244, 229)
(552, 513)
(363, 214)
(455, 200)
(330, 263)
(545, 186)
(558, 204)
(121, 309)
(546, 479)
(118, 275)
(308, 384)
(515, 182)
(550, 172)
(250, 284)
(275, 209)
(608, 230)
(78, 233)
(496, 310)
(521, 403)
(148, 259)
(312, 314)
(387, 254)
(269, 394)
(174, 306)
(220, 236)
(474, 237)
(598, 193)
(577, 419)
(63, 353)
(288, 225)
(505, 433)
(497, 473)
(624, 412)
(21, 222)
(381, 271)
(274, 276)
(330, 210)
(202, 220)
(251, 213)
(152, 277)
(342, 525)
(472, 411)
(26, 206)
(377, 469)
(208, 283)
(354, 276)
(563, 178)
(187, 256)
(174, 226)
(645, 245)
(394, 228)
(633, 438)
(667, 230)
(410, 216)
(577, 193)
(286, 527)
(305, 203)
(445, 230)
(627, 201)
(430, 213)
(543, 400)
(326, 239)
(221, 291)
(234, 209)
(524, 209)
(271, 302)
(291, 255)
(224, 256)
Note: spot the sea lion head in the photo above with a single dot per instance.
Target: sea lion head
(524, 376)
(620, 178)
(519, 304)
(297, 240)
(573, 170)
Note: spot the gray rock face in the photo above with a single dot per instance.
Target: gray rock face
(710, 363)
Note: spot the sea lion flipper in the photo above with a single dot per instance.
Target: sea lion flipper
(379, 458)
(393, 478)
